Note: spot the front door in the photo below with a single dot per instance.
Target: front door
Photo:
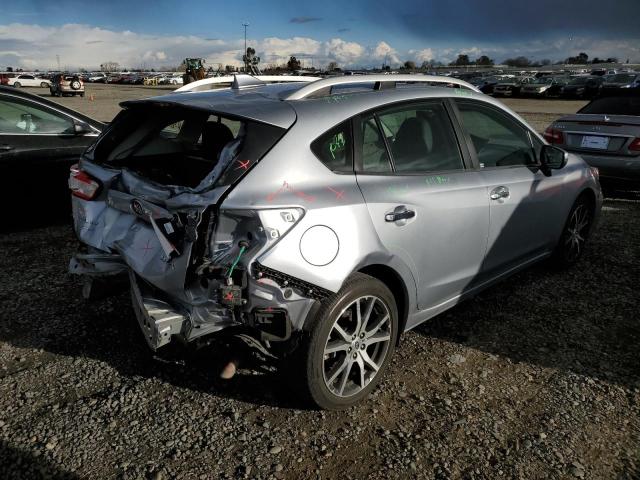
(427, 208)
(521, 197)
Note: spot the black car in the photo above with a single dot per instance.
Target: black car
(39, 141)
(582, 87)
(621, 82)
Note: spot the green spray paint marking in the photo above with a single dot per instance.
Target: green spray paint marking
(462, 91)
(393, 189)
(437, 180)
(337, 143)
(334, 98)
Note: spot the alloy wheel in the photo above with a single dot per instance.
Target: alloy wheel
(576, 232)
(357, 346)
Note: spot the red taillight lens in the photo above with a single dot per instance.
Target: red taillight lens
(635, 145)
(82, 185)
(553, 136)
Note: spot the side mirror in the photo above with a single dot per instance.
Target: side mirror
(553, 158)
(80, 128)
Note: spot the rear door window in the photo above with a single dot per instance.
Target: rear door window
(410, 139)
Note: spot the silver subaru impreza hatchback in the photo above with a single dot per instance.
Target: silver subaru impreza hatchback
(321, 218)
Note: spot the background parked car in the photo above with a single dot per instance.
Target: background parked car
(4, 78)
(25, 80)
(510, 87)
(621, 81)
(606, 134)
(39, 141)
(65, 84)
(97, 77)
(546, 86)
(587, 86)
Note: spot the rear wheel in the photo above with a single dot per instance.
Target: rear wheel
(350, 343)
(44, 84)
(575, 234)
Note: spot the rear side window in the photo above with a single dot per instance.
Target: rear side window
(334, 148)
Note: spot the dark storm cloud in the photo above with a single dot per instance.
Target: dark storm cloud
(304, 19)
(495, 20)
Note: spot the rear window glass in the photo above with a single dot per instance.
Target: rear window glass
(184, 147)
(613, 106)
(334, 148)
(622, 78)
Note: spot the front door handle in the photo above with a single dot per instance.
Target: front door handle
(399, 215)
(499, 192)
(4, 147)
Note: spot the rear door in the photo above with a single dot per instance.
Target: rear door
(521, 197)
(427, 207)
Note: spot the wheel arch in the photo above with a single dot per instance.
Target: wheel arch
(396, 284)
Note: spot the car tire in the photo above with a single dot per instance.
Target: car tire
(575, 234)
(44, 84)
(82, 95)
(338, 376)
(75, 84)
(17, 84)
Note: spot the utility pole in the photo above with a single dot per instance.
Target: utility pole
(244, 55)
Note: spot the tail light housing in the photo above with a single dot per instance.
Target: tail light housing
(82, 185)
(553, 136)
(635, 145)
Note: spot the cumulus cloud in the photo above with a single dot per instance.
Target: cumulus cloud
(33, 46)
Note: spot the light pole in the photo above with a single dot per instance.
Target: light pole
(244, 55)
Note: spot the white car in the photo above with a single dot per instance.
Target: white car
(175, 80)
(24, 80)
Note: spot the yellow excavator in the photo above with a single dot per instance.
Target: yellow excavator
(194, 70)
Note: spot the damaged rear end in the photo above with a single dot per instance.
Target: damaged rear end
(147, 208)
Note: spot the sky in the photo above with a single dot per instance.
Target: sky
(354, 33)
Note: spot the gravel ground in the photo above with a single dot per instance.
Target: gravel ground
(538, 377)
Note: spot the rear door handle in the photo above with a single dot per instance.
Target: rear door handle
(499, 192)
(4, 147)
(400, 215)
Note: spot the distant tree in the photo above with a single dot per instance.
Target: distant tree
(387, 68)
(229, 68)
(425, 65)
(517, 62)
(9, 69)
(462, 60)
(110, 67)
(410, 65)
(596, 60)
(581, 59)
(545, 61)
(293, 64)
(613, 60)
(484, 61)
(332, 66)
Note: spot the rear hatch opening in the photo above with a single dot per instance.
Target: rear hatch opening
(149, 192)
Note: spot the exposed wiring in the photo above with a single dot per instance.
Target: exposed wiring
(235, 263)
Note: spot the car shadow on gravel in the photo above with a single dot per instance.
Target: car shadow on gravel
(18, 464)
(582, 320)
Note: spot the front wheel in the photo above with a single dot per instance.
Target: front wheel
(575, 234)
(350, 343)
(17, 84)
(44, 84)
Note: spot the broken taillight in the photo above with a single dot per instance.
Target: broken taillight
(82, 185)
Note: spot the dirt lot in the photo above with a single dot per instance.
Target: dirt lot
(104, 106)
(536, 378)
